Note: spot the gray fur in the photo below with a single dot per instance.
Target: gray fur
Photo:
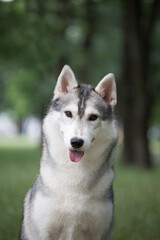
(46, 153)
(107, 234)
(84, 92)
(39, 184)
(103, 168)
(108, 194)
(105, 111)
(22, 235)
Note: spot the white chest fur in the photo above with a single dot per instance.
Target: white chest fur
(70, 209)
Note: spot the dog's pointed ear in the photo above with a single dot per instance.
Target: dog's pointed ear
(107, 89)
(66, 82)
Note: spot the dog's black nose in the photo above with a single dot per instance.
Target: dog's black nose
(77, 142)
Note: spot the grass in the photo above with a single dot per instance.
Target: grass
(18, 168)
(137, 195)
(137, 201)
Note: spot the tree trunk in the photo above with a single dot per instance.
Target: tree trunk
(90, 21)
(136, 100)
(20, 125)
(65, 14)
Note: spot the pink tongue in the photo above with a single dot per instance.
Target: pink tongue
(75, 156)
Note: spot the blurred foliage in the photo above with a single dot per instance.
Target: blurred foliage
(39, 37)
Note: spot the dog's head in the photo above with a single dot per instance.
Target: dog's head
(83, 113)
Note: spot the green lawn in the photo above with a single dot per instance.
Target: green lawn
(137, 204)
(137, 195)
(18, 168)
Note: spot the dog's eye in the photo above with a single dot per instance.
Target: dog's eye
(93, 117)
(68, 114)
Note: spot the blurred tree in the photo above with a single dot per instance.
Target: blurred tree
(38, 37)
(138, 97)
(42, 36)
(89, 19)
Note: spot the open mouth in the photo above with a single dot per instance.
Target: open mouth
(75, 156)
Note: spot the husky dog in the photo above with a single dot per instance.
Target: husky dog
(72, 197)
